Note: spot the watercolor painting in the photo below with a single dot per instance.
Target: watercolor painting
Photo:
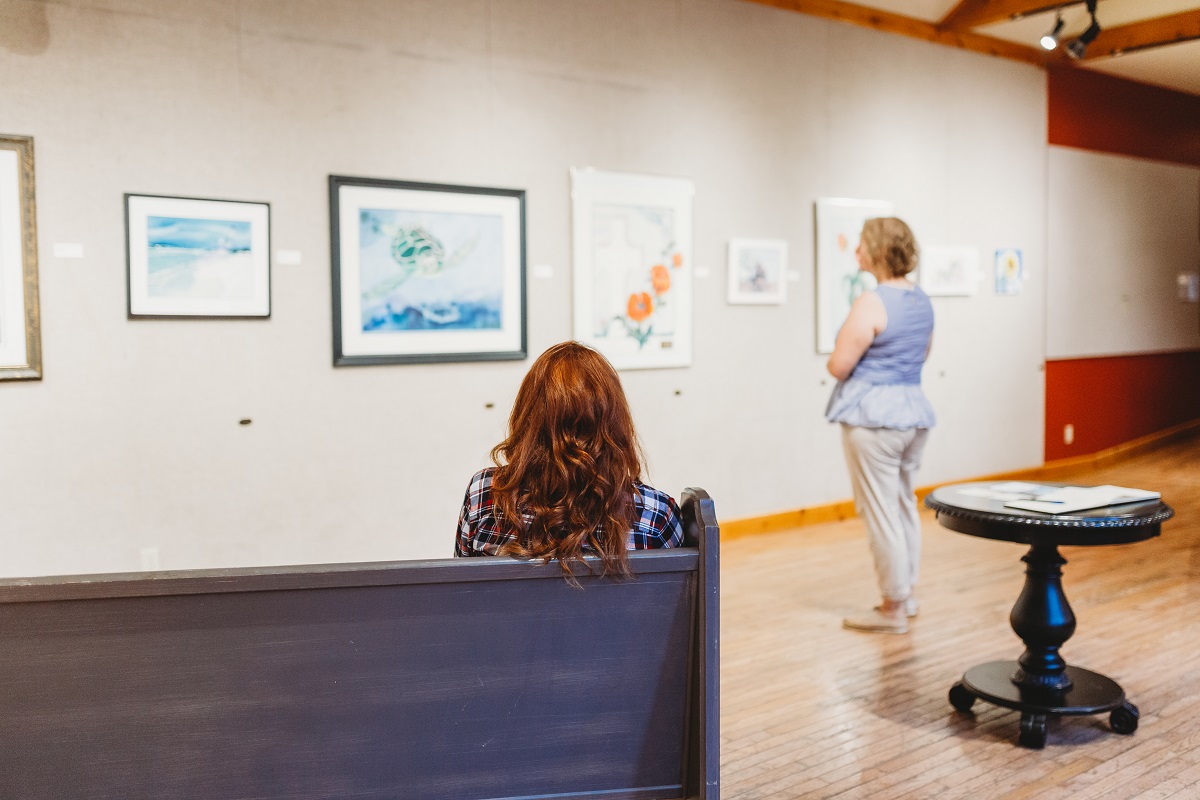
(194, 257)
(757, 271)
(839, 280)
(426, 272)
(633, 275)
(20, 322)
(430, 271)
(949, 270)
(198, 258)
(1010, 271)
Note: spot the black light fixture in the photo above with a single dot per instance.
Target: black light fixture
(1050, 40)
(1077, 47)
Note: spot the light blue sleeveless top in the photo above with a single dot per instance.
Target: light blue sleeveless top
(884, 390)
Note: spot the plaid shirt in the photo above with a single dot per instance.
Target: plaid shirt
(480, 532)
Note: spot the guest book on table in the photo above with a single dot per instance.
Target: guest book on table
(1066, 499)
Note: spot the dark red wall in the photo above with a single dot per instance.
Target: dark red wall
(1118, 398)
(1113, 400)
(1094, 111)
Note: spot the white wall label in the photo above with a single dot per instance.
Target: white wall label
(793, 275)
(289, 257)
(68, 250)
(701, 272)
(543, 271)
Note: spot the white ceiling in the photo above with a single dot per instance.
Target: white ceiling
(1175, 66)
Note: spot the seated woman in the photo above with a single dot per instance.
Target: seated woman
(567, 480)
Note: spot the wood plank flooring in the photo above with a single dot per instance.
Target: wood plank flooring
(815, 711)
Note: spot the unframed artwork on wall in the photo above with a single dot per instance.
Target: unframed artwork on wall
(194, 257)
(426, 272)
(20, 324)
(839, 280)
(633, 267)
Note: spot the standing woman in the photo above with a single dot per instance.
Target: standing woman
(885, 417)
(567, 480)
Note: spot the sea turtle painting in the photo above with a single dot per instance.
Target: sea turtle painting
(417, 253)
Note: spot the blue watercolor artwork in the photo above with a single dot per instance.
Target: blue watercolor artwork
(207, 258)
(430, 270)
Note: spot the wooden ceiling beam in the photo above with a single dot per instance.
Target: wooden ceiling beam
(970, 14)
(908, 26)
(1181, 27)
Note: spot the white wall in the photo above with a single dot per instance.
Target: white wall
(132, 439)
(1121, 231)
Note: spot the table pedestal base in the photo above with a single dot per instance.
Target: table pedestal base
(1090, 693)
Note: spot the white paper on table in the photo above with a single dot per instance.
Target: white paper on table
(1077, 498)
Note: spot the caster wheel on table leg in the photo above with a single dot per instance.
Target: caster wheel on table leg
(1124, 718)
(960, 698)
(1033, 731)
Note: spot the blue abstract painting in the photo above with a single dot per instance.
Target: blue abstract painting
(199, 258)
(430, 270)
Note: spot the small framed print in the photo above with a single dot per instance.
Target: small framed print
(757, 271)
(949, 270)
(20, 326)
(426, 272)
(1009, 270)
(194, 257)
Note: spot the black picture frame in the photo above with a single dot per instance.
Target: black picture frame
(426, 272)
(213, 257)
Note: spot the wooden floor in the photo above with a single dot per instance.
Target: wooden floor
(812, 710)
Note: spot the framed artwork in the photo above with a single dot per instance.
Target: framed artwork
(194, 257)
(949, 271)
(426, 272)
(839, 280)
(757, 271)
(633, 267)
(1010, 271)
(20, 328)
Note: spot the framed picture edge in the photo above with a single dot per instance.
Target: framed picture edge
(739, 298)
(340, 358)
(131, 314)
(31, 368)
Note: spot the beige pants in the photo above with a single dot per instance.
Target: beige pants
(883, 464)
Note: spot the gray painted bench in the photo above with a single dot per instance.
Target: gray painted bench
(456, 679)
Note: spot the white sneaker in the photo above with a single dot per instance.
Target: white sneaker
(875, 621)
(912, 607)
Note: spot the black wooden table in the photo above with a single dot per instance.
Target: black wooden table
(1040, 684)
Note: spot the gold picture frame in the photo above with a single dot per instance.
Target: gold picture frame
(20, 323)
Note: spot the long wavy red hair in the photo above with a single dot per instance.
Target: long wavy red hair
(564, 478)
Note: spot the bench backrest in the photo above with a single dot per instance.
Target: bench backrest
(456, 678)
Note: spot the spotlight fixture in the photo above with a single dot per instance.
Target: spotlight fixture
(1077, 47)
(1050, 40)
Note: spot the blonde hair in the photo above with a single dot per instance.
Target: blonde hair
(890, 243)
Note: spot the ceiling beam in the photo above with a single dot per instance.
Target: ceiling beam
(970, 14)
(909, 26)
(1181, 27)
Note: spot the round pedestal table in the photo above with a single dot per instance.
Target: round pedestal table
(1040, 684)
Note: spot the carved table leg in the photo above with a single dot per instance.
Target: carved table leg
(1043, 619)
(1040, 684)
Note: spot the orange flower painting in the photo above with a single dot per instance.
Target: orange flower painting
(660, 278)
(640, 306)
(677, 260)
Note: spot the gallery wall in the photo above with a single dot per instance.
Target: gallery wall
(1122, 343)
(131, 451)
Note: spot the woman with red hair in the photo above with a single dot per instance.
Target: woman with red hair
(567, 480)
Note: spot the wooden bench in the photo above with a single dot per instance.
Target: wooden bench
(455, 679)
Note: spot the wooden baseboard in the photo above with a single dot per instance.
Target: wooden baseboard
(1051, 470)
